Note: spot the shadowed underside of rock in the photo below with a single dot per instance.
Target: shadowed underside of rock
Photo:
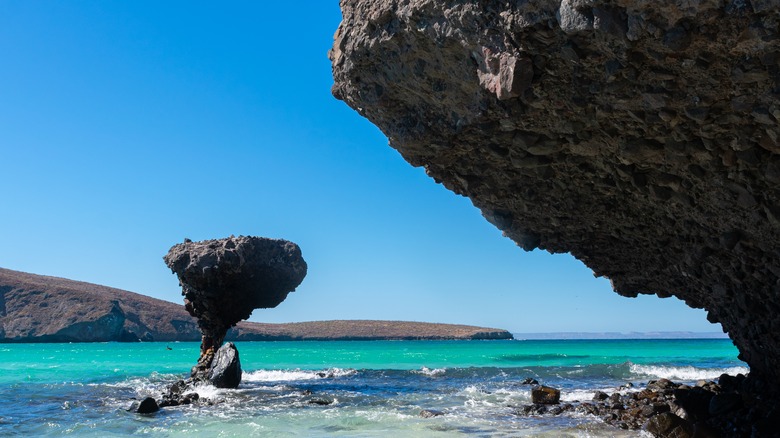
(641, 137)
(224, 280)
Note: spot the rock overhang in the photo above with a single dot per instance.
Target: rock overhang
(641, 137)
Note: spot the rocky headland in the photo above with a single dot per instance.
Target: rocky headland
(37, 308)
(641, 137)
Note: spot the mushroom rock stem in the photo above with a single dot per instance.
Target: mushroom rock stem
(209, 345)
(224, 280)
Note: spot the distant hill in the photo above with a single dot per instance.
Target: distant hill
(37, 308)
(620, 335)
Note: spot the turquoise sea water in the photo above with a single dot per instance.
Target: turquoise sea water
(375, 388)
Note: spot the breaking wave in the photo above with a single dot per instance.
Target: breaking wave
(689, 373)
(295, 375)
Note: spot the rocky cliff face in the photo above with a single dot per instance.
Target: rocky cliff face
(37, 308)
(642, 137)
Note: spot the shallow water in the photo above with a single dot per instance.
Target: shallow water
(375, 389)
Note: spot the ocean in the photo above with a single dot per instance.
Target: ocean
(340, 389)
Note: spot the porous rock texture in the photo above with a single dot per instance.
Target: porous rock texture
(224, 280)
(640, 136)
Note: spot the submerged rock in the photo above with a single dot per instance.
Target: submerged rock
(430, 413)
(319, 401)
(224, 280)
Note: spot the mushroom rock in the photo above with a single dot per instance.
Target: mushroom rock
(224, 280)
(641, 137)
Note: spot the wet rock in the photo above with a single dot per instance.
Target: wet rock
(180, 393)
(319, 401)
(661, 385)
(545, 395)
(555, 410)
(430, 413)
(529, 381)
(224, 280)
(669, 425)
(225, 369)
(146, 406)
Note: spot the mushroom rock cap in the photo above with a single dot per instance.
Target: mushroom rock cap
(224, 280)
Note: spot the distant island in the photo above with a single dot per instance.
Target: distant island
(619, 335)
(37, 308)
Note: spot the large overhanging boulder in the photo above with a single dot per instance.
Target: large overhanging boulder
(640, 136)
(224, 280)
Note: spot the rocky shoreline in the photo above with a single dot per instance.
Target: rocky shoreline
(734, 406)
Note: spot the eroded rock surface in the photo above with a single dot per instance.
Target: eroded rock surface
(641, 137)
(224, 280)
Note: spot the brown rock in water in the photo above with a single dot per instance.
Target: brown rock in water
(224, 280)
(641, 137)
(545, 395)
(668, 425)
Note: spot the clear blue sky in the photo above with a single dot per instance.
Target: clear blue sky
(126, 126)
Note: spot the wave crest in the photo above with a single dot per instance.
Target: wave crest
(293, 375)
(683, 372)
(425, 371)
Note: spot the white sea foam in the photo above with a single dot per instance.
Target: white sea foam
(688, 373)
(209, 392)
(292, 375)
(473, 389)
(278, 375)
(430, 372)
(579, 394)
